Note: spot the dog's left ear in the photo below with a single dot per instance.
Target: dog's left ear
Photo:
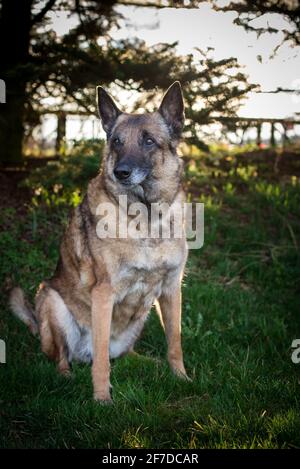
(108, 110)
(172, 109)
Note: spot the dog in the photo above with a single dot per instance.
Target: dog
(95, 305)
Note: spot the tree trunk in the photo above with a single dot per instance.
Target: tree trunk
(258, 135)
(11, 126)
(15, 25)
(272, 139)
(61, 133)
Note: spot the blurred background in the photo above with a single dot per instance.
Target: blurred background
(239, 65)
(237, 62)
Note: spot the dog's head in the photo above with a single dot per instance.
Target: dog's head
(141, 153)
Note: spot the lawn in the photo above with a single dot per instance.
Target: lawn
(240, 315)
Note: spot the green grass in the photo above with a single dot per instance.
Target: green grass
(240, 314)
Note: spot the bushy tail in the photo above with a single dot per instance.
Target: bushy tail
(22, 309)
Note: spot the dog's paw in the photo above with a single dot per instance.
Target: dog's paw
(182, 375)
(66, 373)
(103, 398)
(179, 371)
(104, 402)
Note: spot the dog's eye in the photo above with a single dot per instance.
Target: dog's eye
(116, 141)
(149, 141)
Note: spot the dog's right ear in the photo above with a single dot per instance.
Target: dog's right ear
(108, 110)
(172, 109)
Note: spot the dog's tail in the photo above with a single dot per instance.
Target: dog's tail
(22, 309)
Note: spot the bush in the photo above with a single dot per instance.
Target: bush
(65, 180)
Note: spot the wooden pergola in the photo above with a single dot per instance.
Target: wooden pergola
(243, 122)
(249, 122)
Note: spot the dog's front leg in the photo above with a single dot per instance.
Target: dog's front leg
(102, 307)
(170, 309)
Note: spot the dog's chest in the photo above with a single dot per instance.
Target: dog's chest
(142, 276)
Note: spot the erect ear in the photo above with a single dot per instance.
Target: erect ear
(172, 109)
(108, 110)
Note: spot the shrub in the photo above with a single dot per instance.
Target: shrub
(64, 181)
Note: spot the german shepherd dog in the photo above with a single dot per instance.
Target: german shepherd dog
(95, 306)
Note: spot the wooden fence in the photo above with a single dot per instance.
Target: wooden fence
(243, 123)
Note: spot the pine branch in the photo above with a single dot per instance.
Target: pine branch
(161, 5)
(39, 16)
(279, 90)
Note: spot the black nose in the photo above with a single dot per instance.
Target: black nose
(122, 171)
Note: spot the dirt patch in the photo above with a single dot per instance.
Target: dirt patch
(11, 194)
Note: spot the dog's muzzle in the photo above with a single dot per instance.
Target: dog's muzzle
(130, 174)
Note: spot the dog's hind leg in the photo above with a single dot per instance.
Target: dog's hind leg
(54, 345)
(53, 336)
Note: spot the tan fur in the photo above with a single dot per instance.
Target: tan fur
(96, 303)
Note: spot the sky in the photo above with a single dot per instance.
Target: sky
(202, 28)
